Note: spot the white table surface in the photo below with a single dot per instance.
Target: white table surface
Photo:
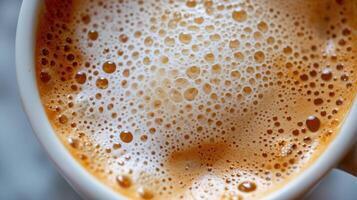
(25, 170)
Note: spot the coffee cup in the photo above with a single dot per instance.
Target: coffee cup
(89, 186)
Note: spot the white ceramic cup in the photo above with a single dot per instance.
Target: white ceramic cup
(87, 185)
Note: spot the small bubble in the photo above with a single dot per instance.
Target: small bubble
(207, 88)
(83, 157)
(296, 132)
(339, 102)
(216, 69)
(45, 52)
(190, 94)
(120, 52)
(313, 123)
(126, 136)
(209, 57)
(169, 41)
(339, 67)
(181, 82)
(45, 77)
(344, 77)
(86, 19)
(44, 61)
(191, 3)
(259, 56)
(157, 104)
(102, 83)
(233, 44)
(109, 67)
(235, 74)
(148, 41)
(152, 130)
(73, 142)
(123, 181)
(239, 56)
(326, 74)
(80, 77)
(70, 57)
(185, 38)
(63, 119)
(137, 34)
(307, 140)
(93, 35)
(208, 3)
(146, 61)
(247, 186)
(239, 15)
(247, 90)
(271, 40)
(304, 77)
(164, 60)
(263, 27)
(318, 101)
(144, 138)
(123, 38)
(126, 72)
(193, 72)
(175, 95)
(199, 20)
(144, 193)
(288, 50)
(257, 36)
(215, 37)
(116, 146)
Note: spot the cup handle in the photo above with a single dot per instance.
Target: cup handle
(349, 162)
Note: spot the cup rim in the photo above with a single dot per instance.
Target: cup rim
(89, 186)
(81, 180)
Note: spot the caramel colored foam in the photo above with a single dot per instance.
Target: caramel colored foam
(196, 99)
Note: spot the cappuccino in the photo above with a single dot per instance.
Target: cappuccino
(196, 99)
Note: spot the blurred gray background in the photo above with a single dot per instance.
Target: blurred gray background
(25, 170)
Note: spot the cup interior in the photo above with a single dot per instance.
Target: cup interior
(90, 187)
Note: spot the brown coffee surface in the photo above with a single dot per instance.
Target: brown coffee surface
(163, 99)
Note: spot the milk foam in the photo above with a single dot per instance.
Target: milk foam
(196, 99)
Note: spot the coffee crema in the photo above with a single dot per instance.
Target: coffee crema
(196, 99)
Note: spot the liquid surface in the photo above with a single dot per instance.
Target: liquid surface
(164, 99)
